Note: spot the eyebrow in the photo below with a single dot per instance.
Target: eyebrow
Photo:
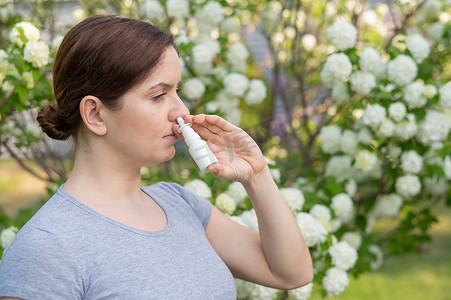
(163, 85)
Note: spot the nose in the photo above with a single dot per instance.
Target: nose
(179, 109)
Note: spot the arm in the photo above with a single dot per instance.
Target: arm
(277, 255)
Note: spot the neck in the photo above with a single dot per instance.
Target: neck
(102, 179)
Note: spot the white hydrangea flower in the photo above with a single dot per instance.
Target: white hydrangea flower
(374, 115)
(275, 173)
(337, 69)
(260, 292)
(302, 293)
(342, 35)
(256, 93)
(411, 162)
(407, 129)
(229, 25)
(445, 95)
(397, 111)
(351, 187)
(312, 230)
(447, 167)
(237, 191)
(402, 70)
(236, 84)
(339, 166)
(202, 57)
(376, 251)
(249, 218)
(413, 95)
(321, 213)
(387, 205)
(365, 160)
(436, 31)
(343, 207)
(340, 93)
(343, 255)
(37, 53)
(353, 238)
(153, 10)
(436, 186)
(387, 128)
(7, 236)
(293, 197)
(225, 203)
(193, 89)
(178, 9)
(408, 185)
(364, 136)
(370, 61)
(362, 82)
(198, 187)
(349, 142)
(31, 33)
(212, 13)
(429, 91)
(434, 128)
(430, 10)
(330, 139)
(237, 53)
(418, 47)
(335, 281)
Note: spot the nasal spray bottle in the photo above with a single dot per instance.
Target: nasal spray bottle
(198, 148)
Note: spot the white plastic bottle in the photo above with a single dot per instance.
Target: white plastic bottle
(198, 148)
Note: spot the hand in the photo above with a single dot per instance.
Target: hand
(239, 157)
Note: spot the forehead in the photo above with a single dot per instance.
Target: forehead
(167, 71)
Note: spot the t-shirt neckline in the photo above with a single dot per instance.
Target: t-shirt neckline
(148, 191)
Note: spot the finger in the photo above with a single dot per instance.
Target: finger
(175, 129)
(220, 122)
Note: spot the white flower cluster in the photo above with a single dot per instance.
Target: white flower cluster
(256, 92)
(370, 61)
(153, 10)
(225, 203)
(414, 95)
(342, 35)
(362, 82)
(322, 214)
(337, 69)
(7, 236)
(237, 191)
(408, 185)
(387, 205)
(339, 166)
(226, 104)
(407, 129)
(435, 127)
(436, 31)
(212, 13)
(302, 293)
(447, 167)
(411, 162)
(343, 207)
(293, 197)
(340, 93)
(445, 95)
(397, 111)
(330, 139)
(37, 53)
(418, 47)
(198, 187)
(365, 160)
(193, 89)
(402, 70)
(260, 292)
(249, 219)
(353, 238)
(312, 230)
(335, 281)
(202, 58)
(30, 31)
(386, 128)
(374, 115)
(349, 142)
(236, 56)
(236, 84)
(377, 252)
(343, 255)
(178, 9)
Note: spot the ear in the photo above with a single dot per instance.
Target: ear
(91, 109)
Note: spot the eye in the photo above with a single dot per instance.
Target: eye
(159, 97)
(178, 90)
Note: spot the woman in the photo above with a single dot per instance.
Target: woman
(102, 235)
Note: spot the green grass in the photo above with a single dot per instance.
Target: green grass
(412, 276)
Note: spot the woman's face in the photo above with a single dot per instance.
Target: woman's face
(141, 130)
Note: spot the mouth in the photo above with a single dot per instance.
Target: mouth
(171, 136)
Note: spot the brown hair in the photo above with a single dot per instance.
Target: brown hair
(103, 56)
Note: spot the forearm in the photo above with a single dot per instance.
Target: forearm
(282, 242)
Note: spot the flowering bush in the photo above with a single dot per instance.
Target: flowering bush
(364, 130)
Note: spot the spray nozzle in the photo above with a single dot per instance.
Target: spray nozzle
(188, 133)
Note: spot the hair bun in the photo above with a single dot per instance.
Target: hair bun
(53, 122)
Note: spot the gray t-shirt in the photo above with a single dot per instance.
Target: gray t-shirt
(69, 251)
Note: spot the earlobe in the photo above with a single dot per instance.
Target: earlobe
(90, 111)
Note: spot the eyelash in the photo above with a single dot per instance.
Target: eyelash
(160, 96)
